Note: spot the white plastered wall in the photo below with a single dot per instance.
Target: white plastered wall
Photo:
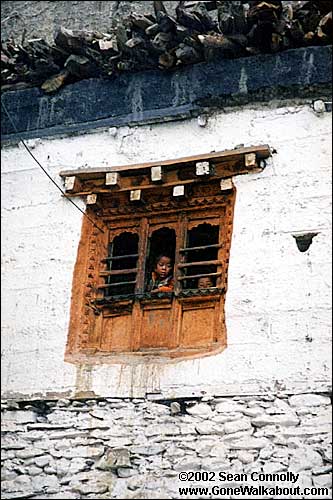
(278, 306)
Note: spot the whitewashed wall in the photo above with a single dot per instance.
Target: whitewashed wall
(278, 308)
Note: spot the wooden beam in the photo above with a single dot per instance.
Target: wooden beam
(184, 278)
(201, 263)
(119, 272)
(117, 284)
(204, 247)
(262, 152)
(120, 257)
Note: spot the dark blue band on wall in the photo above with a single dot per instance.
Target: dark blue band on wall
(157, 96)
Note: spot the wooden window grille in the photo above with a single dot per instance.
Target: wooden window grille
(121, 263)
(199, 257)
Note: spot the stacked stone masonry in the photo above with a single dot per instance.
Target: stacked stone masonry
(136, 448)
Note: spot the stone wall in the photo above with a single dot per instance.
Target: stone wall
(136, 448)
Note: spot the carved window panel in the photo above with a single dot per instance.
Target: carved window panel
(113, 315)
(120, 316)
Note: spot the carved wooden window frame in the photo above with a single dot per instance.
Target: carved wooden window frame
(108, 329)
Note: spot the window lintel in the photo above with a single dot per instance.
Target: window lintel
(136, 179)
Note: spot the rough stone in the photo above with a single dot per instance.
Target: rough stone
(283, 420)
(118, 442)
(175, 408)
(19, 417)
(218, 450)
(273, 467)
(83, 451)
(148, 450)
(126, 472)
(33, 471)
(168, 430)
(112, 431)
(42, 461)
(250, 443)
(323, 481)
(47, 426)
(95, 487)
(245, 457)
(12, 444)
(317, 471)
(253, 412)
(63, 402)
(29, 453)
(21, 484)
(228, 407)
(304, 431)
(201, 410)
(115, 458)
(46, 483)
(309, 400)
(99, 414)
(208, 427)
(304, 459)
(237, 425)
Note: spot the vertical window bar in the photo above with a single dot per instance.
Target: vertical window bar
(142, 251)
(181, 241)
(109, 268)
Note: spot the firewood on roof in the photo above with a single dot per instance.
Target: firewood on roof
(187, 54)
(166, 41)
(55, 82)
(207, 22)
(219, 45)
(152, 30)
(188, 19)
(324, 6)
(163, 42)
(140, 21)
(80, 66)
(74, 41)
(231, 17)
(166, 23)
(159, 8)
(326, 25)
(167, 60)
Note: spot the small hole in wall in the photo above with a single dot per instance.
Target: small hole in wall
(303, 241)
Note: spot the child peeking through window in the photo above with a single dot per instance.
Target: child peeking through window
(205, 282)
(161, 279)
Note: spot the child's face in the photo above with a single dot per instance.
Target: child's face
(163, 267)
(205, 283)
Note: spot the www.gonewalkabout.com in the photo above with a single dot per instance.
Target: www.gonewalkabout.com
(220, 484)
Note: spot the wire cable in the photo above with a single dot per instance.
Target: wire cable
(43, 169)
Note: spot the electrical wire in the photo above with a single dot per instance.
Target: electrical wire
(43, 169)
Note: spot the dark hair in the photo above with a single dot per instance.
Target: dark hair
(160, 255)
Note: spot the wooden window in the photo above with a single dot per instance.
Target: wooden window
(138, 217)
